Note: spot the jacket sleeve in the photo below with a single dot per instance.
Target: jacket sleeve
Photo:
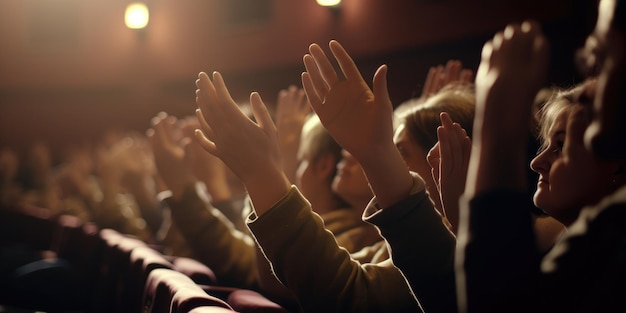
(307, 259)
(422, 247)
(497, 260)
(214, 240)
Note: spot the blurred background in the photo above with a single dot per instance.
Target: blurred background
(71, 69)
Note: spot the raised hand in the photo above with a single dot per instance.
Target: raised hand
(512, 70)
(249, 149)
(438, 77)
(449, 160)
(358, 118)
(169, 154)
(292, 110)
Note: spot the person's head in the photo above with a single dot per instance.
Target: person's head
(416, 132)
(318, 155)
(570, 176)
(603, 56)
(350, 182)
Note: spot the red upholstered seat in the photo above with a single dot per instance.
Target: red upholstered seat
(167, 290)
(243, 300)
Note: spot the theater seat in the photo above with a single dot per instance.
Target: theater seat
(249, 301)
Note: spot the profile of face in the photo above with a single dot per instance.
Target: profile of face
(415, 158)
(350, 182)
(570, 176)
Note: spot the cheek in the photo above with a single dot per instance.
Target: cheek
(575, 186)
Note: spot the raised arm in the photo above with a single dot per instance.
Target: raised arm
(497, 263)
(249, 149)
(359, 118)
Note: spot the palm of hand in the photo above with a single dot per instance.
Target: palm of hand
(349, 111)
(357, 117)
(246, 147)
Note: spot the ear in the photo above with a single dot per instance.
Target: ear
(325, 166)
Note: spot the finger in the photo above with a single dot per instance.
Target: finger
(381, 92)
(205, 143)
(453, 68)
(281, 108)
(446, 157)
(485, 58)
(309, 89)
(347, 65)
(317, 81)
(206, 96)
(204, 126)
(323, 64)
(160, 134)
(540, 46)
(439, 77)
(225, 101)
(446, 121)
(456, 146)
(289, 101)
(261, 114)
(429, 83)
(466, 76)
(303, 104)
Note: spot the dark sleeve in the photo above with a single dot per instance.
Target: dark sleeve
(497, 260)
(422, 247)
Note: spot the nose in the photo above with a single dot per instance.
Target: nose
(347, 158)
(541, 163)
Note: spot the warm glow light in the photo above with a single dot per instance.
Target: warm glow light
(329, 3)
(137, 15)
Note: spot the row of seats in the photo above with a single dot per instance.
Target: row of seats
(87, 269)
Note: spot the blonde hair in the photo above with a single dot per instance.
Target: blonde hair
(421, 120)
(557, 103)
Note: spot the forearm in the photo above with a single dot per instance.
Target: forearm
(323, 276)
(213, 239)
(387, 175)
(266, 188)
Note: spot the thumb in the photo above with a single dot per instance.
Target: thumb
(381, 92)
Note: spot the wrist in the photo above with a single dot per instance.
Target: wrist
(267, 189)
(388, 176)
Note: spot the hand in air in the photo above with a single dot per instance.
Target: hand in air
(359, 118)
(449, 160)
(249, 149)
